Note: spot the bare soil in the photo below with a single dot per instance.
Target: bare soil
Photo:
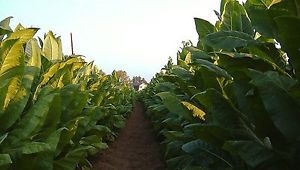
(136, 148)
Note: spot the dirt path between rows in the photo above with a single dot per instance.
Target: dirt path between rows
(135, 149)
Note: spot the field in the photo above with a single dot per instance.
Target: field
(231, 101)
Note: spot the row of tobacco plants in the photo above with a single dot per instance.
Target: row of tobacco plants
(233, 100)
(55, 110)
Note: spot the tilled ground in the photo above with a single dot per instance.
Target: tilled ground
(135, 149)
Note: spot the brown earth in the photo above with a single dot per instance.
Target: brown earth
(136, 148)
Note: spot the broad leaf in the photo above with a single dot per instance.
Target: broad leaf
(289, 38)
(229, 40)
(23, 35)
(283, 110)
(52, 47)
(4, 27)
(34, 52)
(214, 68)
(219, 110)
(252, 153)
(203, 28)
(33, 119)
(197, 112)
(35, 147)
(72, 158)
(207, 133)
(263, 12)
(234, 18)
(174, 105)
(199, 147)
(5, 159)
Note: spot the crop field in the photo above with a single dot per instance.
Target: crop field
(231, 101)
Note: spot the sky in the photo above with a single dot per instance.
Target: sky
(136, 36)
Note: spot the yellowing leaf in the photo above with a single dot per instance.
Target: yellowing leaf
(196, 111)
(34, 53)
(269, 3)
(188, 58)
(52, 47)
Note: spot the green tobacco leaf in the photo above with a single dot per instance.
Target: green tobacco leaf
(203, 28)
(100, 130)
(73, 101)
(182, 55)
(173, 104)
(118, 121)
(207, 133)
(234, 18)
(43, 158)
(179, 162)
(283, 110)
(269, 52)
(228, 40)
(214, 68)
(182, 73)
(234, 62)
(94, 141)
(252, 153)
(222, 5)
(87, 125)
(32, 120)
(289, 38)
(182, 62)
(53, 118)
(263, 12)
(219, 111)
(3, 137)
(53, 139)
(247, 100)
(183, 84)
(198, 54)
(173, 135)
(5, 159)
(18, 102)
(35, 147)
(203, 148)
(205, 78)
(72, 158)
(165, 86)
(66, 135)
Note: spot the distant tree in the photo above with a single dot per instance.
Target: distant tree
(122, 75)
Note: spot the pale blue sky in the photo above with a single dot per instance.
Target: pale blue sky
(137, 36)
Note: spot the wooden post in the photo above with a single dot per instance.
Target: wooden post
(72, 44)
